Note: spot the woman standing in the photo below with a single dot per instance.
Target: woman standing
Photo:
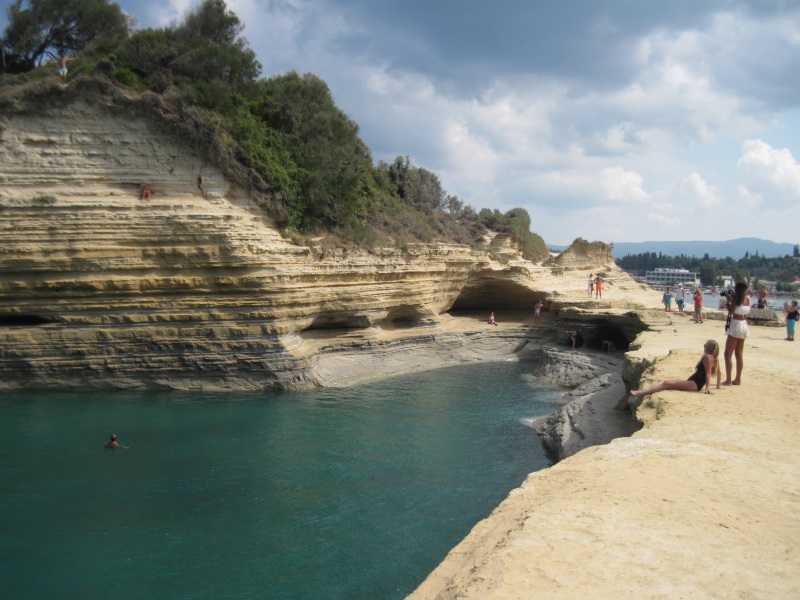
(791, 319)
(737, 332)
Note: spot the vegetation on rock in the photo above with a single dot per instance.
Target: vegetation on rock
(282, 137)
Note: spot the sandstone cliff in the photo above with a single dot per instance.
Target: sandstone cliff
(196, 288)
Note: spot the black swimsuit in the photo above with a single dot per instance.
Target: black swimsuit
(699, 376)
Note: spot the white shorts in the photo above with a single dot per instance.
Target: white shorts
(738, 329)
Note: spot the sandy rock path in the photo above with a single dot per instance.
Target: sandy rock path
(703, 502)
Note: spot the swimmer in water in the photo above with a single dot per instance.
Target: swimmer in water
(113, 443)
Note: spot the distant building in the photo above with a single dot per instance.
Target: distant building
(671, 276)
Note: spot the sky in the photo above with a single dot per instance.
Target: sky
(613, 120)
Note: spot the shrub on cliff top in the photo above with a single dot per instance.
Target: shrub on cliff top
(46, 29)
(282, 137)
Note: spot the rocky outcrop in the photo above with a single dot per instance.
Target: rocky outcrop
(581, 252)
(595, 409)
(195, 287)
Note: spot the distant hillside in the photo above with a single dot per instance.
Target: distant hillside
(735, 249)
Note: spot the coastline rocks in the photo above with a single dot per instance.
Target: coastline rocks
(595, 411)
(195, 288)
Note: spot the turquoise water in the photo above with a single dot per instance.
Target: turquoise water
(335, 493)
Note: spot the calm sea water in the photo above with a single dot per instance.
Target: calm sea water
(338, 493)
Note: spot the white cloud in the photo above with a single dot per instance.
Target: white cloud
(697, 189)
(659, 98)
(619, 184)
(767, 172)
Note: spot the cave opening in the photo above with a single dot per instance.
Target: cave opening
(14, 320)
(492, 294)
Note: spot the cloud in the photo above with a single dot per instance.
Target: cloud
(695, 188)
(619, 184)
(560, 110)
(768, 173)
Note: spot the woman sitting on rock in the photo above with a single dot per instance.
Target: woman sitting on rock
(705, 369)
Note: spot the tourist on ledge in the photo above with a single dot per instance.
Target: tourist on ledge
(492, 320)
(791, 318)
(598, 287)
(698, 305)
(762, 297)
(703, 372)
(737, 332)
(666, 300)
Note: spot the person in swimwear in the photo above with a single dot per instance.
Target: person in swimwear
(680, 297)
(113, 443)
(762, 297)
(492, 320)
(537, 311)
(576, 337)
(598, 287)
(591, 284)
(62, 66)
(146, 191)
(703, 372)
(737, 332)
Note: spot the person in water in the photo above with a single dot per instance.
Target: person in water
(703, 373)
(113, 443)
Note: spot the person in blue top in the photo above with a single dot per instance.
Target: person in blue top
(666, 300)
(791, 319)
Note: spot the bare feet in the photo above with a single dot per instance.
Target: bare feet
(637, 393)
(727, 382)
(737, 382)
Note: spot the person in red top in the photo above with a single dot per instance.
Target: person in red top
(698, 305)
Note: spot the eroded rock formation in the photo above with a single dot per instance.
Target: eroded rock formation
(195, 287)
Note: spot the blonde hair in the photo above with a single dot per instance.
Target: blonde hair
(712, 347)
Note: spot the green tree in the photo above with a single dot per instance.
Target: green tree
(206, 50)
(707, 272)
(42, 29)
(335, 172)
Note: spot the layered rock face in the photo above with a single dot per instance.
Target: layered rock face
(194, 287)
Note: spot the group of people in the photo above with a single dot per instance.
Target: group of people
(537, 314)
(680, 301)
(595, 285)
(736, 332)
